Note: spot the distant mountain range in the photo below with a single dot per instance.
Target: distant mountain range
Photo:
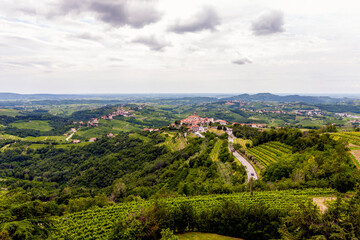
(263, 97)
(17, 96)
(268, 97)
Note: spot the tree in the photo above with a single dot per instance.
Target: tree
(118, 190)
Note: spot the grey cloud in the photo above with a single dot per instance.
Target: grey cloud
(88, 36)
(28, 11)
(152, 42)
(136, 14)
(241, 61)
(206, 19)
(268, 23)
(113, 59)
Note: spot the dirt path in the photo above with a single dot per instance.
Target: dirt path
(356, 154)
(322, 202)
(68, 138)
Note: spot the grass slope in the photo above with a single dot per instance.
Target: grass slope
(34, 125)
(203, 236)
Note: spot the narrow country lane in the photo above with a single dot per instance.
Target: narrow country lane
(250, 170)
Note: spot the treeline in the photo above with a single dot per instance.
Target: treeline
(229, 218)
(340, 108)
(245, 131)
(86, 115)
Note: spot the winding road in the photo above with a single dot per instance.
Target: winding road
(250, 170)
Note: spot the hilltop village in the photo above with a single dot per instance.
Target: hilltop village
(196, 123)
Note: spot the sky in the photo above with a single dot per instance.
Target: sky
(187, 46)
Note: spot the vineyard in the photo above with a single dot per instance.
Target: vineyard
(350, 137)
(97, 223)
(269, 152)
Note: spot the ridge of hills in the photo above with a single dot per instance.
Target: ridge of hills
(264, 97)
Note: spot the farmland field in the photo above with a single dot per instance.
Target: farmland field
(9, 112)
(34, 125)
(47, 138)
(269, 152)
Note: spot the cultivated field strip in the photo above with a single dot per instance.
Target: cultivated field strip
(97, 223)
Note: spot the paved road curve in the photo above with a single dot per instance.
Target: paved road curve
(251, 173)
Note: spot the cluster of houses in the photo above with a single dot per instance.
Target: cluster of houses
(347, 115)
(151, 129)
(253, 125)
(119, 112)
(196, 123)
(110, 135)
(94, 122)
(315, 112)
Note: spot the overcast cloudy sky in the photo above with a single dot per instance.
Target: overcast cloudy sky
(122, 46)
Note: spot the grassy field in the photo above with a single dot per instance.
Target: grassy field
(218, 132)
(34, 124)
(9, 112)
(242, 142)
(47, 138)
(136, 135)
(203, 236)
(8, 136)
(105, 127)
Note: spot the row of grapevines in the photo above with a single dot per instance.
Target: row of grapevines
(269, 152)
(97, 223)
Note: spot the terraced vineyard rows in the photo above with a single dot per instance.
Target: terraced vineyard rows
(97, 223)
(269, 152)
(351, 137)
